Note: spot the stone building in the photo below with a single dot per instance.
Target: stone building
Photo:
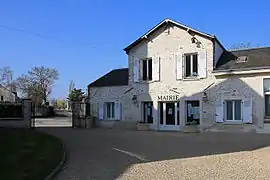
(7, 94)
(178, 76)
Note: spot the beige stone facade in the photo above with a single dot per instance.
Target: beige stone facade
(211, 90)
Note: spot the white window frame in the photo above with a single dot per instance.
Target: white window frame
(191, 65)
(233, 110)
(112, 110)
(147, 69)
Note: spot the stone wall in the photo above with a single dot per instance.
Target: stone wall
(24, 122)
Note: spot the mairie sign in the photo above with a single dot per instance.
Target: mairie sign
(169, 98)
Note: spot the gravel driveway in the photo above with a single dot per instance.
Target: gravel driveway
(111, 154)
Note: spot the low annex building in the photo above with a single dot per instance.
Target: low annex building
(178, 76)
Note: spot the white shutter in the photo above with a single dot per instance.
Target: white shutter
(135, 69)
(247, 111)
(100, 111)
(202, 64)
(117, 110)
(154, 114)
(156, 68)
(219, 111)
(179, 66)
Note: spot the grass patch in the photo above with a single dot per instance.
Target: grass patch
(28, 154)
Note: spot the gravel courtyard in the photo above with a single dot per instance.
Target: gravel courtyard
(112, 154)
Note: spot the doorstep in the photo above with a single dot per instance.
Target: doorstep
(267, 121)
(221, 127)
(265, 129)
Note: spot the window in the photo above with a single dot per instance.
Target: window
(147, 69)
(109, 110)
(266, 89)
(193, 112)
(233, 110)
(2, 98)
(191, 65)
(148, 112)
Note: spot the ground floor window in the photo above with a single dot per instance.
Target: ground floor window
(266, 89)
(233, 110)
(267, 105)
(193, 112)
(148, 112)
(109, 110)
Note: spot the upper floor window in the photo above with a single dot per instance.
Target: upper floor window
(191, 65)
(146, 69)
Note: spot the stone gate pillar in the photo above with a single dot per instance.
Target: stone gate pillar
(27, 113)
(78, 114)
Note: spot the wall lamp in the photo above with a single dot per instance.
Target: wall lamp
(204, 97)
(194, 40)
(134, 99)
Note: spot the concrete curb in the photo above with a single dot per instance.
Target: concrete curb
(58, 168)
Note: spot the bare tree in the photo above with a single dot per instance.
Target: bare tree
(243, 45)
(37, 84)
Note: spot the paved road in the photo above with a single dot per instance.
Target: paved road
(62, 119)
(53, 122)
(110, 154)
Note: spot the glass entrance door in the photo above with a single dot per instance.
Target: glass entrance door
(169, 115)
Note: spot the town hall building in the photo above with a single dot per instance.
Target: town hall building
(178, 76)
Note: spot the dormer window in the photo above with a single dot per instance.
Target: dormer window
(241, 59)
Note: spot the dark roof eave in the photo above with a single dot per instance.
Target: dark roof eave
(135, 43)
(212, 37)
(93, 86)
(215, 38)
(240, 69)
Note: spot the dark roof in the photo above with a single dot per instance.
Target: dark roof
(257, 58)
(164, 22)
(116, 77)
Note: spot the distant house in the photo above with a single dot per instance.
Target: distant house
(7, 94)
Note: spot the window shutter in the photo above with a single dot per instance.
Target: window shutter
(202, 64)
(135, 69)
(179, 66)
(247, 111)
(155, 114)
(117, 110)
(219, 111)
(156, 68)
(100, 111)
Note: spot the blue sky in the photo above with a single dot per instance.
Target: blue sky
(85, 39)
